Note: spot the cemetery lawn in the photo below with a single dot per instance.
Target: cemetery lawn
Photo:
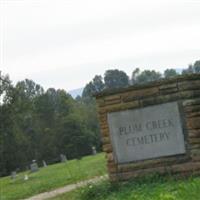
(149, 188)
(52, 177)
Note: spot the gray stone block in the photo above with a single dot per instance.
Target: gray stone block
(145, 133)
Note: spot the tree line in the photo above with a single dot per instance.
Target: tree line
(40, 125)
(118, 79)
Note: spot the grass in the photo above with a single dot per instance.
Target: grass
(152, 187)
(52, 177)
(149, 188)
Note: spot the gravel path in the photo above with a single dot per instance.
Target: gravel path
(65, 189)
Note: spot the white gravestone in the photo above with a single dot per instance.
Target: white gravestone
(146, 133)
(44, 163)
(94, 151)
(26, 177)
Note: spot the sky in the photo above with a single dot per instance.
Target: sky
(65, 43)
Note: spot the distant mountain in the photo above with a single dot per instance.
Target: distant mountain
(179, 70)
(76, 92)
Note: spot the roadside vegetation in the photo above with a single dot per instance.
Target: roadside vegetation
(149, 188)
(51, 177)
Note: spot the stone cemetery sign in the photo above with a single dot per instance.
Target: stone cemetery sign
(152, 128)
(145, 133)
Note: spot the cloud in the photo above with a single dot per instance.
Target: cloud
(64, 44)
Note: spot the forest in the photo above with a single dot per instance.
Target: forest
(38, 124)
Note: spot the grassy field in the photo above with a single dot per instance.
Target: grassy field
(52, 177)
(149, 188)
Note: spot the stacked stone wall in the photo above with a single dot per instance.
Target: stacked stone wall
(186, 91)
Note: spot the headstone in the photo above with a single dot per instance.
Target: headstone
(146, 133)
(44, 163)
(13, 174)
(34, 166)
(63, 158)
(94, 151)
(26, 177)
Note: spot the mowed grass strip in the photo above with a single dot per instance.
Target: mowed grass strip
(51, 177)
(149, 188)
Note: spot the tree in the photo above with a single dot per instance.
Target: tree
(5, 88)
(29, 88)
(196, 66)
(14, 125)
(189, 70)
(94, 86)
(135, 73)
(148, 76)
(88, 90)
(169, 73)
(98, 83)
(72, 136)
(6, 138)
(115, 79)
(51, 108)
